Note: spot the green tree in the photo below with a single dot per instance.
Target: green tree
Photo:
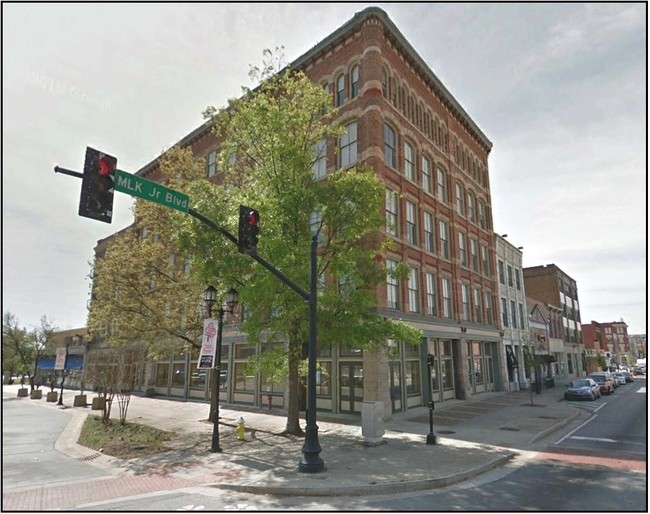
(22, 349)
(267, 153)
(143, 288)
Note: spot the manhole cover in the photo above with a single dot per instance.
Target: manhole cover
(446, 432)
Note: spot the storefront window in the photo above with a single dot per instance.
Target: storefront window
(268, 385)
(178, 374)
(243, 351)
(412, 377)
(243, 382)
(351, 352)
(198, 377)
(162, 374)
(324, 379)
(447, 374)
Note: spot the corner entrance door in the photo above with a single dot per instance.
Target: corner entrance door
(350, 386)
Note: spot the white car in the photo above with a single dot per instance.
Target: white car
(619, 377)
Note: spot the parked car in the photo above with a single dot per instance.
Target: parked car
(606, 385)
(628, 376)
(639, 370)
(619, 377)
(582, 389)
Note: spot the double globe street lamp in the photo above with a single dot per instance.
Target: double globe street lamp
(232, 299)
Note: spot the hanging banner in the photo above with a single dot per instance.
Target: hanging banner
(60, 359)
(208, 345)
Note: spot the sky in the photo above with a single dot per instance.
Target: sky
(560, 90)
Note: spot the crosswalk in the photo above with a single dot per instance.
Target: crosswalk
(594, 406)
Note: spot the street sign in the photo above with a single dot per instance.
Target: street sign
(151, 191)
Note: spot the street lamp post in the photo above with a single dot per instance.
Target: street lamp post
(210, 297)
(431, 436)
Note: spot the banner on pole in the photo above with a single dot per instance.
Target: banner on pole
(208, 352)
(59, 363)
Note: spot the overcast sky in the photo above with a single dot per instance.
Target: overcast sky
(559, 89)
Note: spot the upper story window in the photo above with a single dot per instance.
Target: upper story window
(211, 164)
(510, 283)
(446, 298)
(473, 244)
(384, 83)
(392, 209)
(471, 207)
(444, 239)
(348, 145)
(460, 199)
(481, 215)
(517, 280)
(426, 175)
(488, 308)
(432, 294)
(478, 311)
(320, 159)
(441, 185)
(502, 274)
(392, 286)
(486, 260)
(504, 311)
(409, 161)
(340, 90)
(390, 146)
(411, 223)
(429, 245)
(464, 297)
(354, 81)
(462, 249)
(394, 91)
(414, 290)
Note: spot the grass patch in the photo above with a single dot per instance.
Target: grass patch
(123, 441)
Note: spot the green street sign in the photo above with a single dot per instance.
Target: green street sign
(151, 191)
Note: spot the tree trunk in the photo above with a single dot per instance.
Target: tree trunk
(293, 413)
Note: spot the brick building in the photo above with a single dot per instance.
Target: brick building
(610, 340)
(433, 159)
(551, 286)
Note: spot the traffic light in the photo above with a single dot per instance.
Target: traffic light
(248, 230)
(96, 200)
(429, 359)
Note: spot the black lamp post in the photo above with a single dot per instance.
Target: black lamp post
(65, 363)
(431, 437)
(210, 297)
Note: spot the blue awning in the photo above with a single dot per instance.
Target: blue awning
(73, 362)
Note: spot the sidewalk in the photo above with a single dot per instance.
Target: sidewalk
(473, 437)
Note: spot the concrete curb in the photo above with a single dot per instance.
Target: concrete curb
(553, 428)
(382, 488)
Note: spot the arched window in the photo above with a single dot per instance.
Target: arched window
(354, 81)
(404, 94)
(393, 92)
(340, 90)
(384, 83)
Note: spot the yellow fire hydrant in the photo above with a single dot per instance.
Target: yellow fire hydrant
(240, 428)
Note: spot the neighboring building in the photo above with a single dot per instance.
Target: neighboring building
(553, 287)
(610, 340)
(76, 344)
(513, 311)
(433, 159)
(545, 321)
(638, 346)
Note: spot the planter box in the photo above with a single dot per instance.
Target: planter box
(52, 396)
(37, 394)
(23, 392)
(80, 401)
(98, 403)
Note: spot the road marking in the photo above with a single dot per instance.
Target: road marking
(601, 439)
(600, 406)
(576, 429)
(641, 390)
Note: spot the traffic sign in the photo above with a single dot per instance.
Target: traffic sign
(151, 191)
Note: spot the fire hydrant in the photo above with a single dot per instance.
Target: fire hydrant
(240, 428)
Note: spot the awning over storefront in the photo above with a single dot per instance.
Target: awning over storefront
(547, 358)
(74, 362)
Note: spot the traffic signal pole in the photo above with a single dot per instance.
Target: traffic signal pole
(311, 462)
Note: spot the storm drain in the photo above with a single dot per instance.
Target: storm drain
(88, 457)
(446, 432)
(511, 429)
(547, 417)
